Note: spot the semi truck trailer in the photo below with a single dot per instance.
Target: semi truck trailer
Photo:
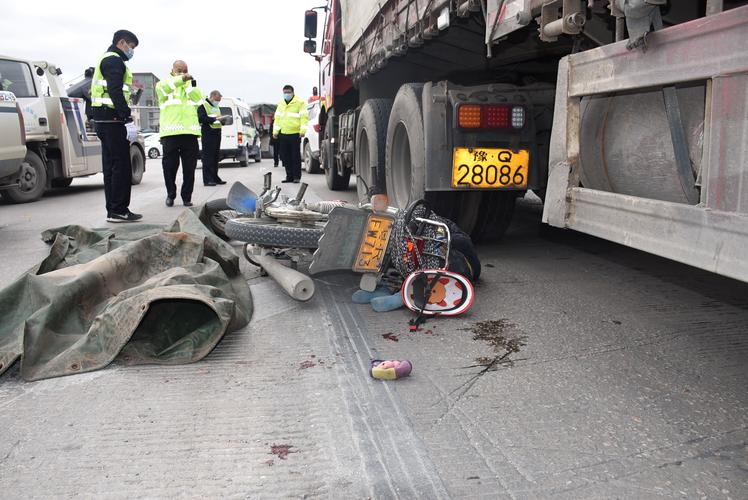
(627, 117)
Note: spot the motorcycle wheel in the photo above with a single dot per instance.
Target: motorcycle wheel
(268, 233)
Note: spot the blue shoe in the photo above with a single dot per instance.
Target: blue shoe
(364, 297)
(387, 303)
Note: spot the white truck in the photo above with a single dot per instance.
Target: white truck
(58, 147)
(629, 117)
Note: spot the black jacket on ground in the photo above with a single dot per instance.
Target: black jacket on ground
(113, 71)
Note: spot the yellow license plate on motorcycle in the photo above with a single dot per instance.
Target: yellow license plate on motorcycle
(373, 247)
(489, 168)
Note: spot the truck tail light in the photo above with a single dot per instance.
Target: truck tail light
(240, 138)
(22, 123)
(490, 116)
(518, 117)
(469, 116)
(496, 116)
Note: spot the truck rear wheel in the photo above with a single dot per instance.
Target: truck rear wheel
(405, 157)
(335, 181)
(32, 180)
(137, 161)
(371, 141)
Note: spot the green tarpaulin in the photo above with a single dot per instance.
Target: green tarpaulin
(135, 293)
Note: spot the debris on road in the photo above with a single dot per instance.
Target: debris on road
(390, 369)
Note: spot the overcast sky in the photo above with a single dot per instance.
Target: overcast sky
(246, 49)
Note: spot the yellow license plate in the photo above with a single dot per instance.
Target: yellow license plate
(372, 249)
(489, 168)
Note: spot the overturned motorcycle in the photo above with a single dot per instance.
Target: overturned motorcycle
(427, 259)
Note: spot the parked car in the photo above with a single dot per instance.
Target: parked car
(310, 143)
(240, 139)
(153, 145)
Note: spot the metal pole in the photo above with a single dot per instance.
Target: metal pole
(620, 25)
(714, 7)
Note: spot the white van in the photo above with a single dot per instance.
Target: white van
(239, 138)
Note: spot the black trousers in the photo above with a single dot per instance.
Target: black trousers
(115, 157)
(290, 152)
(276, 152)
(176, 147)
(211, 149)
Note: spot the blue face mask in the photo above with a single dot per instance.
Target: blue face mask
(287, 96)
(130, 53)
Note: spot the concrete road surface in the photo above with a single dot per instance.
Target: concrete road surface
(626, 377)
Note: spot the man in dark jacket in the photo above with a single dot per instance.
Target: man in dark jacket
(211, 121)
(110, 93)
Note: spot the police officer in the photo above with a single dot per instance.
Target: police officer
(178, 100)
(110, 94)
(288, 129)
(211, 120)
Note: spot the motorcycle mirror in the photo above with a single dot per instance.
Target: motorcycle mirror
(242, 199)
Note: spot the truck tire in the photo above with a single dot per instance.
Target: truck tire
(310, 164)
(335, 181)
(32, 180)
(137, 161)
(494, 216)
(371, 141)
(271, 234)
(405, 157)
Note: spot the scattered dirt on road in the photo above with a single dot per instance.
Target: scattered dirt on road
(497, 334)
(306, 364)
(281, 450)
(390, 336)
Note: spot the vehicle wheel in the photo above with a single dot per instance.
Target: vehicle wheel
(494, 216)
(137, 161)
(153, 153)
(244, 158)
(371, 138)
(335, 181)
(32, 180)
(62, 183)
(218, 214)
(258, 158)
(271, 234)
(310, 164)
(405, 157)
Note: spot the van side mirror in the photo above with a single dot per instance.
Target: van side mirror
(310, 46)
(310, 24)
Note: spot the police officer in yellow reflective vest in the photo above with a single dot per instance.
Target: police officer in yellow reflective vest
(288, 128)
(178, 100)
(110, 97)
(211, 121)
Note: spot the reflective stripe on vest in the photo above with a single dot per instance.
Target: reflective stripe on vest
(99, 89)
(213, 112)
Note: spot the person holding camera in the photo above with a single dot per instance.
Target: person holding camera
(211, 121)
(178, 100)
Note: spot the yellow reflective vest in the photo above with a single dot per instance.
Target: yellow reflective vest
(178, 101)
(100, 92)
(290, 117)
(213, 112)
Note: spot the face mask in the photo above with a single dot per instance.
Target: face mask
(130, 53)
(215, 103)
(287, 96)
